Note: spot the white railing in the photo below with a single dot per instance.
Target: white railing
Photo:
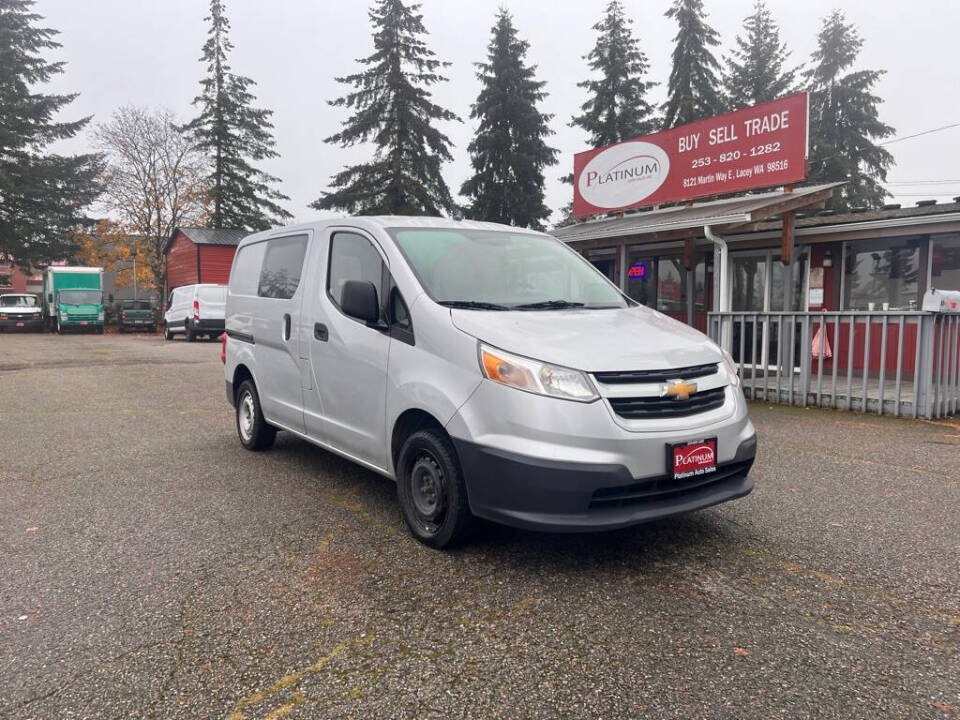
(889, 362)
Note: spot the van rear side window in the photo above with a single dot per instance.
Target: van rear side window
(245, 276)
(282, 266)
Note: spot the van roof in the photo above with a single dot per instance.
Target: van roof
(371, 222)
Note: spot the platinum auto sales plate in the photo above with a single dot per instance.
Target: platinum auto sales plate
(689, 459)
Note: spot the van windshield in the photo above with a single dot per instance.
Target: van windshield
(80, 297)
(501, 270)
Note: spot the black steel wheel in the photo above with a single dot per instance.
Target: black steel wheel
(431, 491)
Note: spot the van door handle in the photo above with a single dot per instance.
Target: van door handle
(286, 327)
(320, 332)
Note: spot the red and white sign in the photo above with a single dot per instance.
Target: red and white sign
(696, 458)
(757, 147)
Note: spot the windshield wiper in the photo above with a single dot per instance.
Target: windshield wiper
(548, 305)
(472, 305)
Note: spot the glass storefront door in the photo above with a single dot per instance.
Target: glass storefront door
(758, 279)
(661, 281)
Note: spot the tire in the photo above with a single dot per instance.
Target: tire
(167, 335)
(100, 330)
(59, 329)
(191, 335)
(252, 428)
(431, 491)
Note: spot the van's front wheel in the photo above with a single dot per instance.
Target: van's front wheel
(431, 491)
(254, 431)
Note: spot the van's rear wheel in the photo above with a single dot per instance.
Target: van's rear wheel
(252, 428)
(431, 491)
(191, 335)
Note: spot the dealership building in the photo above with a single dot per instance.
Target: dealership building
(858, 310)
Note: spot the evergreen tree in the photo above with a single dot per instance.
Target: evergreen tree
(617, 108)
(233, 135)
(392, 107)
(756, 70)
(41, 195)
(509, 151)
(693, 91)
(844, 119)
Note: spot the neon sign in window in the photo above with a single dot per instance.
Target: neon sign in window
(637, 270)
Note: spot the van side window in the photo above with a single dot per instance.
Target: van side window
(245, 276)
(282, 265)
(352, 257)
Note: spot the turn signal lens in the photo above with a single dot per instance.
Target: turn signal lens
(535, 377)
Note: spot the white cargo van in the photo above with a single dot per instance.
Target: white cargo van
(490, 371)
(195, 310)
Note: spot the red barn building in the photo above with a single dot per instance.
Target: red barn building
(199, 255)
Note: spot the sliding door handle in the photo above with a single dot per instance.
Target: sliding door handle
(320, 332)
(286, 327)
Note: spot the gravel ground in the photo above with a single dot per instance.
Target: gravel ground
(149, 567)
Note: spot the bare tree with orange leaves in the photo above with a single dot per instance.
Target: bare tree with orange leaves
(109, 246)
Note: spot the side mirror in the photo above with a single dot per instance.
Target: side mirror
(49, 297)
(358, 299)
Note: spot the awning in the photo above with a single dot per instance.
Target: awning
(688, 221)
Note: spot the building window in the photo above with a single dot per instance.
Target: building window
(882, 275)
(6, 280)
(945, 263)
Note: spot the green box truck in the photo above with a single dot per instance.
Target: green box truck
(73, 298)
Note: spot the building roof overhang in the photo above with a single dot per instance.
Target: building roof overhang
(674, 223)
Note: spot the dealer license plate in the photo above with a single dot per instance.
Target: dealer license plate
(83, 322)
(19, 324)
(690, 459)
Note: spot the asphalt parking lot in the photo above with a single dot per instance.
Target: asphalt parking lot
(151, 568)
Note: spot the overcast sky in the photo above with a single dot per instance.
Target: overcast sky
(146, 53)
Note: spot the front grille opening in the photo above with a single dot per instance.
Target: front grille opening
(638, 408)
(653, 376)
(664, 487)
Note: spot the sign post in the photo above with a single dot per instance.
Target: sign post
(761, 146)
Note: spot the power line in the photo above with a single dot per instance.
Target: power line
(925, 132)
(900, 139)
(922, 182)
(926, 195)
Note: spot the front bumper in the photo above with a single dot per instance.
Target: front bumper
(539, 494)
(29, 322)
(548, 464)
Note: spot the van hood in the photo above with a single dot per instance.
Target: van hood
(621, 339)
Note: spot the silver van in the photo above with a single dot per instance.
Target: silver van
(490, 371)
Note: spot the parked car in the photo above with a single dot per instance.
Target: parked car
(20, 311)
(195, 310)
(490, 371)
(136, 315)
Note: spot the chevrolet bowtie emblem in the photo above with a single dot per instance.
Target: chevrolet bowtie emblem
(679, 390)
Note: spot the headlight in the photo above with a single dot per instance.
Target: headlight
(535, 377)
(101, 315)
(63, 315)
(733, 370)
